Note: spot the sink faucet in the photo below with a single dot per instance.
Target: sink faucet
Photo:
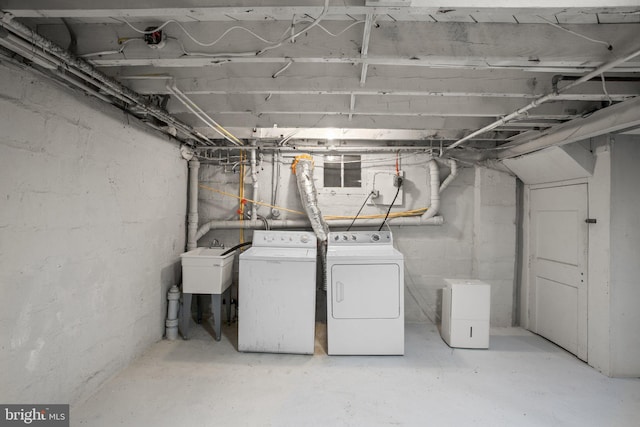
(215, 243)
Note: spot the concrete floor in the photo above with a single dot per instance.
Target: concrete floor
(523, 380)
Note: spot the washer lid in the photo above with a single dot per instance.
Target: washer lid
(279, 254)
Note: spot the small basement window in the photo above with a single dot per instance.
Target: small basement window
(342, 171)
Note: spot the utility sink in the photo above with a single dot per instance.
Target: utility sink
(206, 270)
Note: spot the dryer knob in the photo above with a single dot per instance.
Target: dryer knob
(304, 238)
(375, 237)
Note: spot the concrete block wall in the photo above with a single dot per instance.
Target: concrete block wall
(92, 222)
(477, 240)
(433, 253)
(495, 239)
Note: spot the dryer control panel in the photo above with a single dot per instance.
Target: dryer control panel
(360, 238)
(284, 239)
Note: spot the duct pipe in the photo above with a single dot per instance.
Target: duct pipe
(303, 169)
(192, 217)
(544, 98)
(305, 223)
(254, 181)
(50, 51)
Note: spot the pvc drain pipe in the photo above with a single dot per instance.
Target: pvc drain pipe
(172, 313)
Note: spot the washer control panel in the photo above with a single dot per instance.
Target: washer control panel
(284, 239)
(360, 238)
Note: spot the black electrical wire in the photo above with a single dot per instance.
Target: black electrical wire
(235, 247)
(361, 207)
(390, 206)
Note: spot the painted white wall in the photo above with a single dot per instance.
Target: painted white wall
(92, 221)
(476, 241)
(494, 244)
(625, 256)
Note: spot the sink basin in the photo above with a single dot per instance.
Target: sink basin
(206, 271)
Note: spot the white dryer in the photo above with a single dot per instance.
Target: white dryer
(277, 293)
(365, 294)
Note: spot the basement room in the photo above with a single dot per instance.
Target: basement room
(320, 213)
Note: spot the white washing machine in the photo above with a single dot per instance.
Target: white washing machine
(277, 293)
(365, 294)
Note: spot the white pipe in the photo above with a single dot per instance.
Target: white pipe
(203, 116)
(254, 179)
(304, 223)
(434, 172)
(453, 165)
(544, 98)
(275, 176)
(192, 216)
(171, 331)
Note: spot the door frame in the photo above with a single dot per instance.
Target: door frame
(525, 318)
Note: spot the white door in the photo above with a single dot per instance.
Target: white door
(558, 266)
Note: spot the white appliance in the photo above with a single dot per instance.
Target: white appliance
(277, 293)
(466, 306)
(365, 294)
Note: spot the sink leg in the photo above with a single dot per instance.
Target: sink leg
(228, 300)
(216, 303)
(185, 315)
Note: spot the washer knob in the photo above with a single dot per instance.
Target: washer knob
(375, 237)
(304, 238)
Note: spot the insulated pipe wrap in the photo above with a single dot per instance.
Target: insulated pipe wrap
(303, 169)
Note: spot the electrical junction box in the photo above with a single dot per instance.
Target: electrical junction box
(466, 306)
(382, 183)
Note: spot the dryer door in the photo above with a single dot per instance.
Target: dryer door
(366, 291)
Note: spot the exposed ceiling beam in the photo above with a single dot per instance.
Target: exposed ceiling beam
(346, 134)
(467, 63)
(383, 105)
(235, 10)
(300, 80)
(461, 125)
(364, 50)
(365, 47)
(612, 119)
(352, 105)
